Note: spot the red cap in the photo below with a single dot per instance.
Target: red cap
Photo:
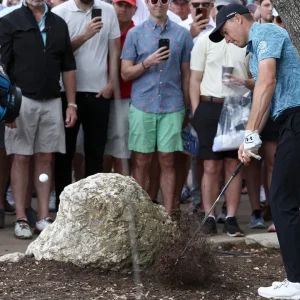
(131, 2)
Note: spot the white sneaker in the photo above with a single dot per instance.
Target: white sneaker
(42, 224)
(52, 201)
(282, 290)
(22, 229)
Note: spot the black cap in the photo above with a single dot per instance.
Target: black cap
(226, 13)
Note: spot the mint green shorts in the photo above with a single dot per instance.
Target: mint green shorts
(150, 132)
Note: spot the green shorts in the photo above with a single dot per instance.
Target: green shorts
(150, 132)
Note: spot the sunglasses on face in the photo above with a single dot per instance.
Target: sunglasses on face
(162, 2)
(204, 4)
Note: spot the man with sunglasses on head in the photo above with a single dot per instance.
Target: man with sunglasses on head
(159, 95)
(275, 66)
(194, 23)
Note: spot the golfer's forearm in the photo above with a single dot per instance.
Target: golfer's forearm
(264, 120)
(262, 97)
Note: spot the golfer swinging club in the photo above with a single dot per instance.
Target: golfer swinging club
(275, 66)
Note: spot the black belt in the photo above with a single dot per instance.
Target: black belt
(212, 99)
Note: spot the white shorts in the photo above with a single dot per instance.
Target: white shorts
(40, 128)
(118, 129)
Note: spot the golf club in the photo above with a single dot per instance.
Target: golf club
(211, 209)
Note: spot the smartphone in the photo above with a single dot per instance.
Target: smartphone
(96, 12)
(164, 43)
(202, 11)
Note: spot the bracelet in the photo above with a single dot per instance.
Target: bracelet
(73, 105)
(144, 65)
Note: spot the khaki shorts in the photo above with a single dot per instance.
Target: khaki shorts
(40, 128)
(118, 129)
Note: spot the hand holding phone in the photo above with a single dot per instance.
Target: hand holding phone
(94, 26)
(201, 11)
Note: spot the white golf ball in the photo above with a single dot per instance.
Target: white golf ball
(43, 178)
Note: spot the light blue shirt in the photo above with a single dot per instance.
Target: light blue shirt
(41, 24)
(159, 89)
(271, 41)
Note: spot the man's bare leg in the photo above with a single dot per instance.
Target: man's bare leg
(43, 164)
(154, 177)
(182, 166)
(210, 185)
(28, 197)
(167, 179)
(253, 180)
(122, 166)
(141, 171)
(233, 193)
(19, 182)
(269, 149)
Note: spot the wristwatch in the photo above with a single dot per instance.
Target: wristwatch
(73, 105)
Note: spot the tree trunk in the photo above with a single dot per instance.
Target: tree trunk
(289, 11)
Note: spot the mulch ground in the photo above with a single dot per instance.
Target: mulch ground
(235, 277)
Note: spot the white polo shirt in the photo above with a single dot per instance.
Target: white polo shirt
(188, 23)
(91, 57)
(209, 57)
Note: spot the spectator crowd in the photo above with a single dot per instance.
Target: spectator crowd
(111, 87)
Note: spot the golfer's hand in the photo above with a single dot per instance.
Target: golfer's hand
(252, 143)
(157, 57)
(93, 27)
(233, 81)
(244, 157)
(11, 125)
(106, 92)
(71, 116)
(198, 26)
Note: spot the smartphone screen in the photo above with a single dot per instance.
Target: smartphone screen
(96, 12)
(164, 43)
(202, 11)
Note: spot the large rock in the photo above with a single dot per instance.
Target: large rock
(267, 240)
(12, 257)
(99, 220)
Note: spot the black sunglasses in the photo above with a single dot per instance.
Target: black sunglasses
(204, 4)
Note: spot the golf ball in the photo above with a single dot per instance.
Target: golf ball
(43, 178)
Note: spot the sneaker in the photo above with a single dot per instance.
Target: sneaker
(272, 228)
(232, 228)
(31, 216)
(257, 220)
(22, 229)
(42, 224)
(222, 215)
(209, 227)
(2, 218)
(9, 209)
(185, 195)
(282, 290)
(52, 201)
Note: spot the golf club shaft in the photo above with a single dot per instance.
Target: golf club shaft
(211, 209)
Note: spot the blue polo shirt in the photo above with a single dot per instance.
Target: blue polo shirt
(271, 41)
(159, 89)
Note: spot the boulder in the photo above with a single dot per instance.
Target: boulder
(101, 219)
(12, 257)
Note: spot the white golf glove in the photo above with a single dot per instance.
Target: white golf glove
(252, 143)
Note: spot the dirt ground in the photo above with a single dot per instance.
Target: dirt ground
(237, 276)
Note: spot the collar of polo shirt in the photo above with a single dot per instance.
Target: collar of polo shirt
(153, 25)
